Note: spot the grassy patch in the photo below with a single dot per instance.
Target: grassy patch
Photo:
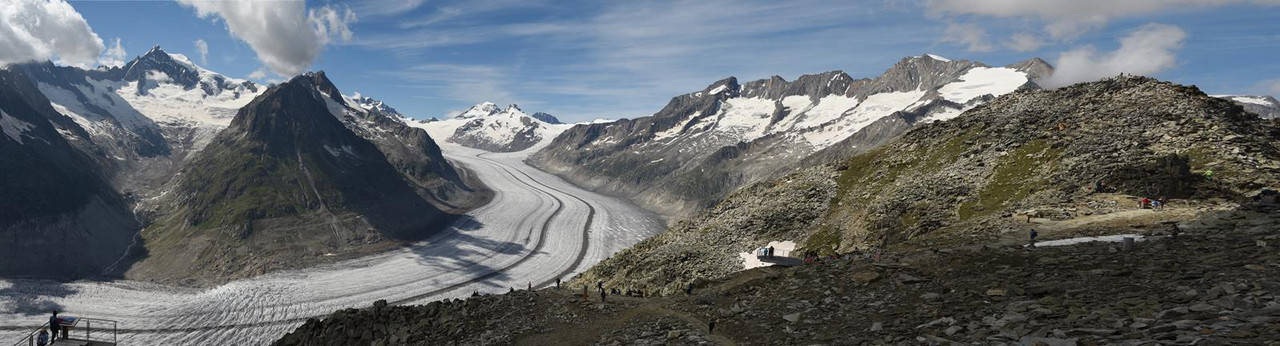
(1018, 174)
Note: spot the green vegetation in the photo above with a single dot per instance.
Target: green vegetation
(1018, 174)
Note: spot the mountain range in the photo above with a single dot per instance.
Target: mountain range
(185, 175)
(704, 145)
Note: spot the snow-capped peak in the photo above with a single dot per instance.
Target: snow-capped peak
(937, 57)
(513, 108)
(480, 110)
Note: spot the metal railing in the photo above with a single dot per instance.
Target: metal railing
(107, 332)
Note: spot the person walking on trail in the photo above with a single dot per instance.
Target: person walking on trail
(1143, 204)
(55, 324)
(1164, 201)
(711, 327)
(770, 251)
(43, 338)
(1034, 234)
(557, 282)
(602, 293)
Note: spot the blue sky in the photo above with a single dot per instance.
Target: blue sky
(582, 60)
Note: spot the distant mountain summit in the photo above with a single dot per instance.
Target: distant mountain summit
(489, 127)
(1266, 107)
(290, 181)
(705, 144)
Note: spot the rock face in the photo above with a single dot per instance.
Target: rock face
(58, 216)
(485, 126)
(1266, 107)
(146, 117)
(1211, 284)
(962, 179)
(706, 144)
(291, 181)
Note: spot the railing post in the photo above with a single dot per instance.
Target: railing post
(88, 329)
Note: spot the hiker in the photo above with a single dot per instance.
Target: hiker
(770, 251)
(600, 285)
(43, 338)
(530, 286)
(602, 295)
(557, 282)
(711, 327)
(1143, 203)
(1033, 237)
(55, 324)
(1163, 202)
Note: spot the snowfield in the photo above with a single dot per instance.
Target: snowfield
(536, 229)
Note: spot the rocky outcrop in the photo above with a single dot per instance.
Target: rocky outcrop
(706, 144)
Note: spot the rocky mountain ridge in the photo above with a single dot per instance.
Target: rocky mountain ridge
(1265, 106)
(291, 182)
(57, 214)
(1075, 151)
(706, 144)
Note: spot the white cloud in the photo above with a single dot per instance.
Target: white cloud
(1066, 20)
(286, 35)
(203, 48)
(46, 29)
(1147, 50)
(258, 74)
(114, 56)
(970, 35)
(1270, 86)
(1023, 42)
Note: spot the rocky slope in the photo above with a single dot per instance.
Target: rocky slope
(146, 117)
(706, 144)
(1029, 152)
(1265, 106)
(1212, 283)
(486, 126)
(58, 215)
(290, 183)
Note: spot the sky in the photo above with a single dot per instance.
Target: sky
(584, 60)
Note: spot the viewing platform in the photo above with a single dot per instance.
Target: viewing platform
(80, 332)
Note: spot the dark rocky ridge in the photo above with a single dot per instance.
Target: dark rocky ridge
(58, 216)
(285, 184)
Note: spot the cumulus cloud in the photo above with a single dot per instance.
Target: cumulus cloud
(286, 36)
(1069, 19)
(203, 48)
(1023, 42)
(972, 36)
(114, 56)
(1147, 50)
(46, 29)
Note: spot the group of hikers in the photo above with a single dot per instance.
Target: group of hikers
(55, 325)
(1158, 203)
